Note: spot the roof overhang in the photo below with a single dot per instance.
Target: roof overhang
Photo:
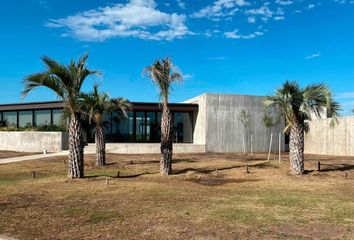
(136, 106)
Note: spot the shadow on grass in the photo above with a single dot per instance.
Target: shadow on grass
(220, 181)
(208, 170)
(120, 176)
(334, 168)
(143, 162)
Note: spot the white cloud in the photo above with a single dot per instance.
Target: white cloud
(215, 58)
(279, 18)
(251, 20)
(181, 4)
(284, 2)
(315, 55)
(220, 8)
(345, 95)
(310, 6)
(235, 35)
(263, 11)
(188, 76)
(137, 18)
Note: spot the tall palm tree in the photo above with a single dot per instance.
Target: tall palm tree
(66, 82)
(164, 74)
(95, 105)
(298, 105)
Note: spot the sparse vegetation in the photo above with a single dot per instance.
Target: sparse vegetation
(208, 196)
(298, 105)
(66, 82)
(164, 74)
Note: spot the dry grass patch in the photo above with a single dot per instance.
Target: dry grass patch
(9, 154)
(210, 196)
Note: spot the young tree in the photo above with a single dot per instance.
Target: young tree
(164, 74)
(245, 118)
(271, 122)
(95, 105)
(66, 82)
(297, 105)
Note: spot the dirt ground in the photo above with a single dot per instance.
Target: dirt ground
(209, 196)
(8, 154)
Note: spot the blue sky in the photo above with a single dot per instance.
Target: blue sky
(223, 46)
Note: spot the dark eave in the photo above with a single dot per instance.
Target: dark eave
(32, 106)
(136, 106)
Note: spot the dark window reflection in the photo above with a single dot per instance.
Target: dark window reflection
(183, 128)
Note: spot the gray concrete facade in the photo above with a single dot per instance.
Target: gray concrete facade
(325, 140)
(217, 124)
(216, 128)
(33, 141)
(145, 148)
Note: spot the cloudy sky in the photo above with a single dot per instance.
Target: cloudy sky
(221, 46)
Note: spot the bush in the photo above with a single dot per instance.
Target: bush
(43, 128)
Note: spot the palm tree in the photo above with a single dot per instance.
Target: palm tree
(95, 105)
(66, 82)
(298, 105)
(163, 73)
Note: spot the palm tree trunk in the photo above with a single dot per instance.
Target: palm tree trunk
(166, 141)
(100, 146)
(297, 149)
(76, 153)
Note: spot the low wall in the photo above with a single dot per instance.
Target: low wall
(145, 148)
(322, 139)
(33, 141)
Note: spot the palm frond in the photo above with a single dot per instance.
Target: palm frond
(164, 74)
(65, 80)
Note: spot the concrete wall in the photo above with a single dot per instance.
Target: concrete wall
(200, 119)
(322, 139)
(145, 148)
(218, 127)
(33, 141)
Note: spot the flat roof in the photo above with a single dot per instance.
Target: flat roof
(136, 106)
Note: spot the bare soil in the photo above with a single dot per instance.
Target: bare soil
(9, 154)
(209, 196)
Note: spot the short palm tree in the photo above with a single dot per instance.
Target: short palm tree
(298, 105)
(164, 74)
(95, 105)
(66, 82)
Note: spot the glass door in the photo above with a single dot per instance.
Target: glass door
(140, 126)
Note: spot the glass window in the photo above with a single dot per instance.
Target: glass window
(57, 117)
(25, 119)
(183, 130)
(2, 124)
(10, 119)
(159, 116)
(107, 123)
(123, 127)
(152, 127)
(140, 126)
(42, 117)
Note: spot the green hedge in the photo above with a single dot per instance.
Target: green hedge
(44, 128)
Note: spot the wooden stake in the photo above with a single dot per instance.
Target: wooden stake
(319, 166)
(279, 147)
(107, 181)
(247, 169)
(118, 173)
(251, 144)
(270, 145)
(244, 144)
